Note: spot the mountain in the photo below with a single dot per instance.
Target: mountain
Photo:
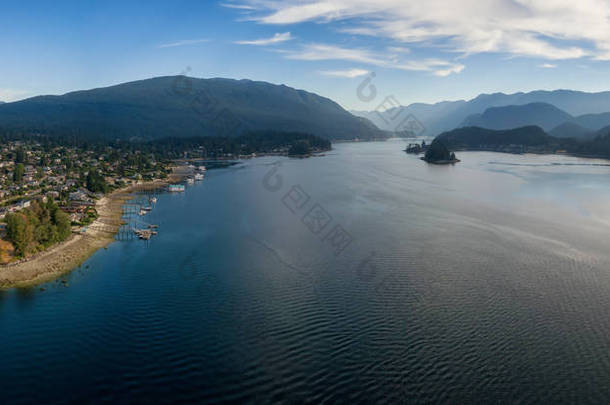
(571, 130)
(184, 106)
(372, 116)
(447, 115)
(599, 146)
(594, 122)
(529, 139)
(483, 138)
(543, 115)
(603, 133)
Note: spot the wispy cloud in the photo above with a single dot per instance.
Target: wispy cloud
(350, 74)
(450, 70)
(313, 52)
(319, 52)
(184, 42)
(546, 29)
(547, 66)
(237, 6)
(275, 39)
(398, 49)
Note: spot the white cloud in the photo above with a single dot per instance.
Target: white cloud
(449, 70)
(546, 29)
(314, 52)
(237, 6)
(398, 49)
(351, 73)
(547, 66)
(184, 42)
(319, 52)
(277, 38)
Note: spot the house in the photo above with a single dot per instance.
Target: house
(79, 195)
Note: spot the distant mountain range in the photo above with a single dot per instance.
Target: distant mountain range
(544, 115)
(182, 106)
(448, 115)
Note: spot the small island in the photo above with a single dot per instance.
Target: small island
(438, 154)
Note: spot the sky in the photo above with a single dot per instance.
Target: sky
(356, 52)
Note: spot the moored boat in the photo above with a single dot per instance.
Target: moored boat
(176, 188)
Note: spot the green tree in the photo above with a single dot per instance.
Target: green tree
(96, 182)
(20, 156)
(300, 148)
(437, 152)
(18, 173)
(19, 232)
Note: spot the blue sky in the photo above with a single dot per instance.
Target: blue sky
(419, 51)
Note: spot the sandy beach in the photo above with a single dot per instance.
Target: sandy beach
(68, 255)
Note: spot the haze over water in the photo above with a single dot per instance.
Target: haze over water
(488, 279)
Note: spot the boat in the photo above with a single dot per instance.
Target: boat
(152, 200)
(202, 168)
(145, 234)
(143, 212)
(198, 176)
(176, 188)
(190, 180)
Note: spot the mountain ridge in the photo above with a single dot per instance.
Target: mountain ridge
(447, 115)
(185, 106)
(544, 115)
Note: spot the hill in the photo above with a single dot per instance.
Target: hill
(181, 106)
(543, 115)
(593, 122)
(571, 130)
(476, 138)
(599, 146)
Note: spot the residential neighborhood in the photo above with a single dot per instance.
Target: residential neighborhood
(72, 178)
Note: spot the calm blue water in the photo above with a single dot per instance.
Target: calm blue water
(361, 276)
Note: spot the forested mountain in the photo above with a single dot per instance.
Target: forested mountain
(543, 115)
(593, 122)
(475, 137)
(571, 129)
(526, 139)
(181, 106)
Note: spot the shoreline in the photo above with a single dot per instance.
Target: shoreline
(71, 253)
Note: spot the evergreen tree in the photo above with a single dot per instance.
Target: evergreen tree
(18, 173)
(20, 156)
(19, 232)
